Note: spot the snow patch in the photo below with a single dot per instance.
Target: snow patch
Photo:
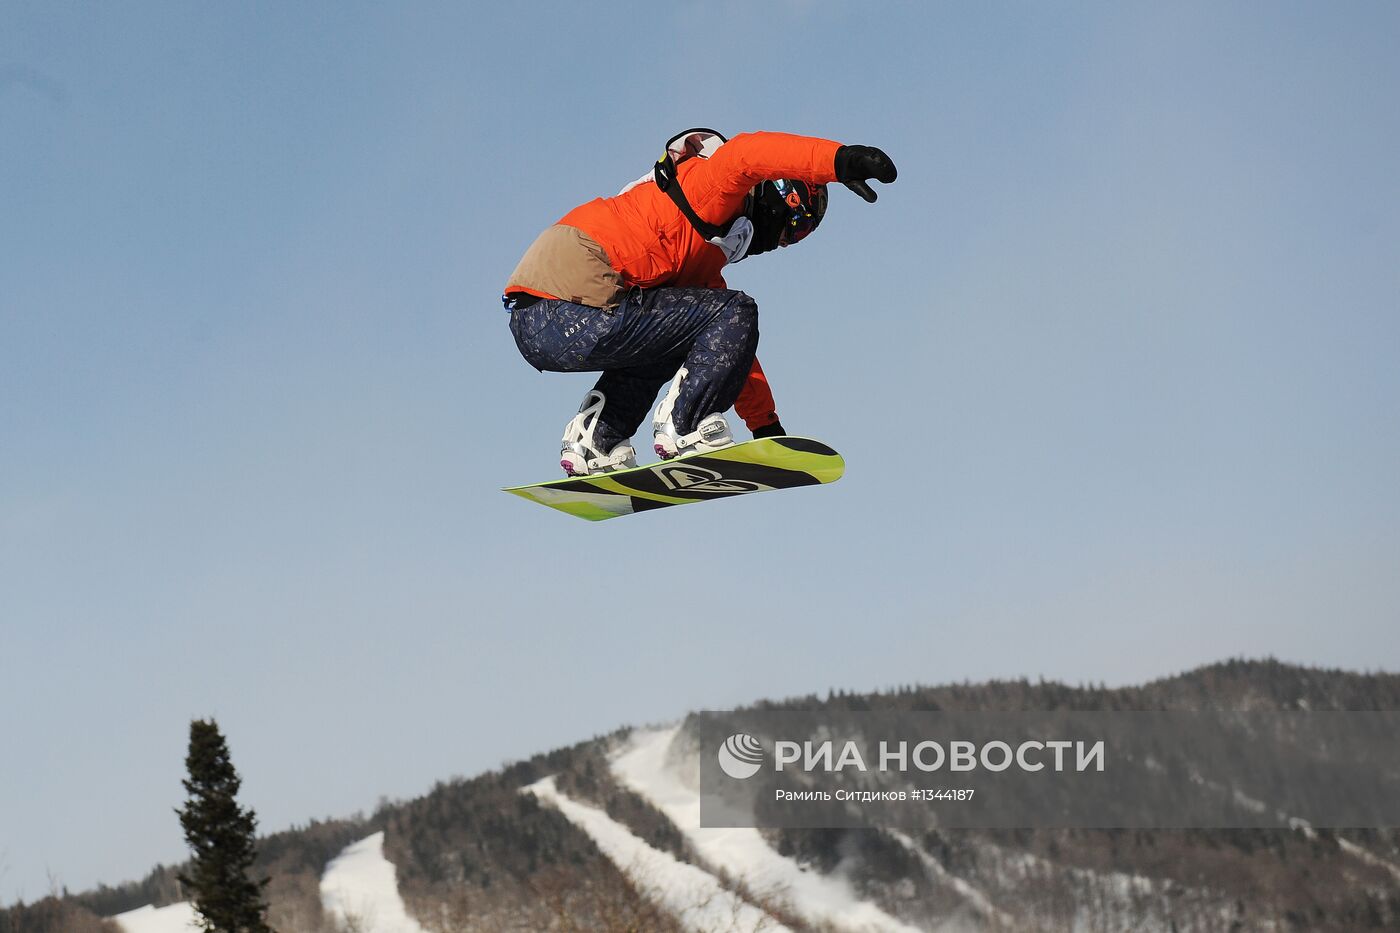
(177, 918)
(1249, 803)
(1369, 857)
(693, 896)
(360, 886)
(979, 901)
(742, 852)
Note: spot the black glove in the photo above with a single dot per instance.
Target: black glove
(770, 430)
(855, 165)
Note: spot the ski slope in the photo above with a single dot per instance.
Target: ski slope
(742, 853)
(361, 886)
(690, 894)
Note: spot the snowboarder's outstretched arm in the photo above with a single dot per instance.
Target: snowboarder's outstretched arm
(717, 184)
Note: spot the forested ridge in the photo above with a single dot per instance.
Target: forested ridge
(477, 854)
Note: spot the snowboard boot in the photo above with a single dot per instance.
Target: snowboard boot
(579, 455)
(712, 433)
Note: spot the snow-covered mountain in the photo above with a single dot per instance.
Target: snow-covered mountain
(605, 836)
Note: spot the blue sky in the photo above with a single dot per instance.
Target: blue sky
(1113, 365)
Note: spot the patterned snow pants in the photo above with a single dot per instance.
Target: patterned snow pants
(639, 345)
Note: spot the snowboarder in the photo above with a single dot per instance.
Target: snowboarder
(631, 285)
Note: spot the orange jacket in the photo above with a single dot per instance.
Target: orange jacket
(650, 243)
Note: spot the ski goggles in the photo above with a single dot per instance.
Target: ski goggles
(804, 213)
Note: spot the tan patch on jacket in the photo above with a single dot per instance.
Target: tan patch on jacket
(564, 262)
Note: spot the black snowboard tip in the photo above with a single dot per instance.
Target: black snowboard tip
(804, 444)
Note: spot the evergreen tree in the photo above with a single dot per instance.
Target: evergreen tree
(220, 833)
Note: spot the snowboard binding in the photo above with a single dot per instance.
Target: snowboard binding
(579, 455)
(711, 434)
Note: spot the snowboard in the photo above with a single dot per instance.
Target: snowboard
(761, 465)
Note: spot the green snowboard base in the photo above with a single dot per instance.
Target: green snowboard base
(753, 466)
